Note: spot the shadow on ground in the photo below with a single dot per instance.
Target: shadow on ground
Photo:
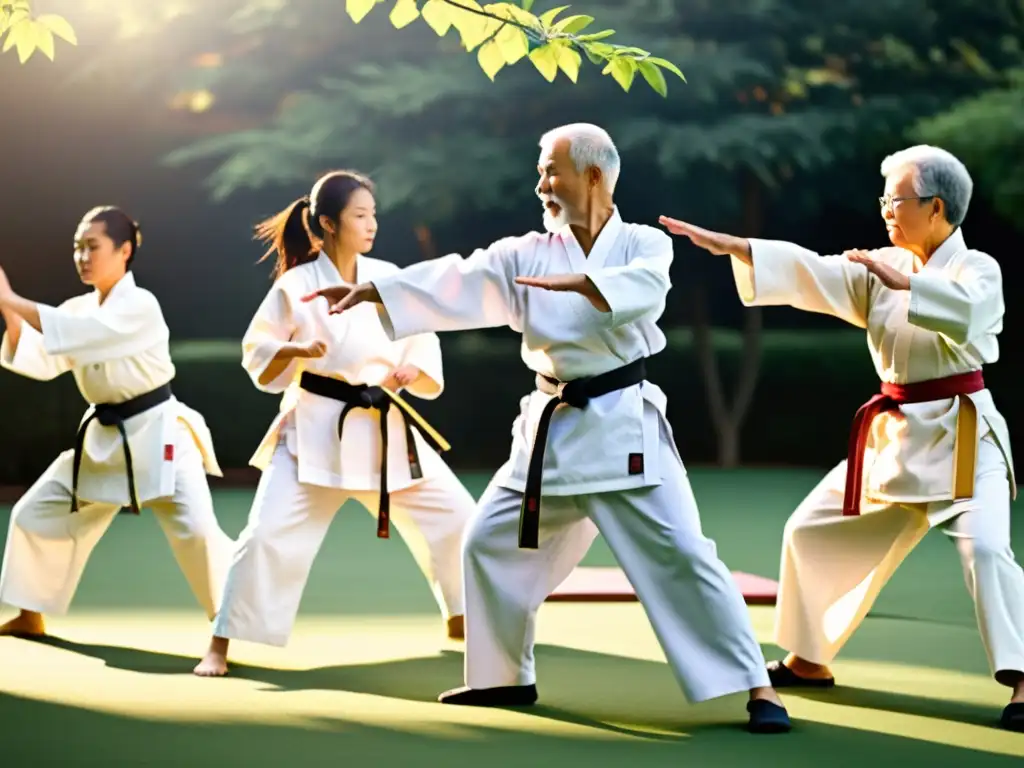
(608, 694)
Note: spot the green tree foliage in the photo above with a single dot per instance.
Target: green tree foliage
(779, 89)
(986, 130)
(790, 106)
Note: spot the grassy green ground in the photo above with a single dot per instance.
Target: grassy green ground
(357, 682)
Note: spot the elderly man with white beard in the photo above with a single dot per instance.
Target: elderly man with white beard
(592, 450)
(930, 450)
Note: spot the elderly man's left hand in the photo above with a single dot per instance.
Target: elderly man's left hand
(891, 277)
(577, 283)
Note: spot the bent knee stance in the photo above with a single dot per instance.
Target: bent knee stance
(45, 520)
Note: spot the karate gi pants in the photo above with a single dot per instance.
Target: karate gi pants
(690, 597)
(287, 525)
(48, 546)
(834, 567)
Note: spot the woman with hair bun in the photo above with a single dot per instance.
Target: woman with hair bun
(343, 432)
(136, 446)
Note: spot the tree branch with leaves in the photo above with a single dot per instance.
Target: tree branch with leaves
(501, 34)
(504, 33)
(27, 33)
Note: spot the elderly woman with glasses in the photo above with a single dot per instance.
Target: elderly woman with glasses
(930, 450)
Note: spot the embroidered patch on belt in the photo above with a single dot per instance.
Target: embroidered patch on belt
(168, 453)
(636, 463)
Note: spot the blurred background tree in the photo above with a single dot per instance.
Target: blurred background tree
(789, 107)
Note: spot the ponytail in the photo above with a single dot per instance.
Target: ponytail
(288, 236)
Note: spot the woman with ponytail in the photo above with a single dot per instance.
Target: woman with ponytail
(344, 431)
(138, 446)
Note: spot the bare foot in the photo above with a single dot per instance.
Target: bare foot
(767, 694)
(457, 628)
(215, 662)
(25, 624)
(807, 669)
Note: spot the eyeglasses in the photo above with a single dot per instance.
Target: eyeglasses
(888, 201)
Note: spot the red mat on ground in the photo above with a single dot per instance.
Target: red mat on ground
(610, 585)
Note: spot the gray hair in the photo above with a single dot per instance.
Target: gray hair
(589, 145)
(936, 173)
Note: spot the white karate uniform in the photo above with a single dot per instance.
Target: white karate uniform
(833, 567)
(308, 473)
(647, 513)
(117, 350)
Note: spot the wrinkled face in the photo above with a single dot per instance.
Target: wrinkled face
(98, 261)
(357, 225)
(909, 220)
(562, 189)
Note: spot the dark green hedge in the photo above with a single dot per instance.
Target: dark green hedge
(809, 387)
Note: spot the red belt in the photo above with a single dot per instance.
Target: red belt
(889, 399)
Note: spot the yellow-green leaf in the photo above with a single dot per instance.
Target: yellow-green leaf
(545, 59)
(513, 44)
(667, 65)
(473, 28)
(623, 70)
(358, 9)
(404, 13)
(601, 49)
(570, 25)
(569, 62)
(437, 14)
(13, 33)
(490, 58)
(652, 74)
(632, 50)
(26, 40)
(59, 26)
(44, 40)
(14, 16)
(513, 12)
(595, 36)
(548, 17)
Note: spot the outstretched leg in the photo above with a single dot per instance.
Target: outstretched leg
(832, 571)
(275, 552)
(690, 597)
(505, 587)
(994, 578)
(47, 548)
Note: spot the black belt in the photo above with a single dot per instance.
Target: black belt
(576, 393)
(365, 396)
(115, 415)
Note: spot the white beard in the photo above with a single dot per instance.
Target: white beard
(557, 223)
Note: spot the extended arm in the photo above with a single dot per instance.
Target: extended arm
(788, 275)
(21, 349)
(15, 306)
(773, 272)
(92, 333)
